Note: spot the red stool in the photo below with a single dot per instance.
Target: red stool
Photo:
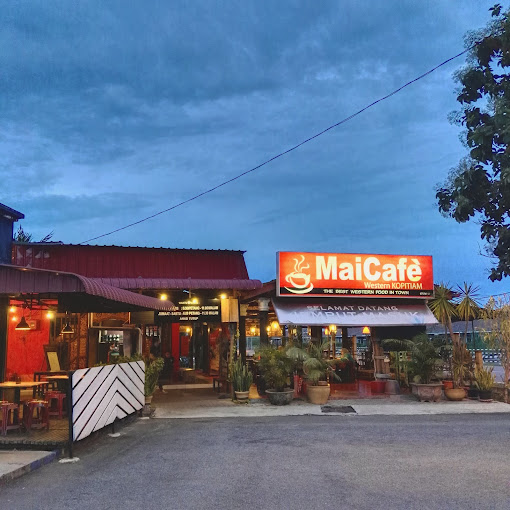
(9, 415)
(56, 402)
(35, 415)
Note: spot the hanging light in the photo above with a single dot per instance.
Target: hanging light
(366, 330)
(23, 325)
(67, 329)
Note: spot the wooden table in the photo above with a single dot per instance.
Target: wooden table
(43, 386)
(61, 381)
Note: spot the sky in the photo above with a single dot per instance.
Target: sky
(113, 111)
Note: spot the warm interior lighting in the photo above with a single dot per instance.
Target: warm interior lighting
(163, 297)
(332, 328)
(223, 296)
(326, 331)
(268, 329)
(12, 309)
(50, 314)
(14, 319)
(188, 330)
(366, 330)
(253, 330)
(275, 325)
(23, 325)
(194, 301)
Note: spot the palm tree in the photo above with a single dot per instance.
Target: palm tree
(467, 306)
(444, 309)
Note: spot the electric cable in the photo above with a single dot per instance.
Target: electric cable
(343, 121)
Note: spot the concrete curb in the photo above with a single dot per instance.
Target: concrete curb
(14, 464)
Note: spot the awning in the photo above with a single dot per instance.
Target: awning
(305, 312)
(180, 283)
(75, 293)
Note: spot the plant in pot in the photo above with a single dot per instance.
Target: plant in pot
(461, 370)
(153, 368)
(317, 370)
(423, 367)
(275, 367)
(241, 380)
(484, 380)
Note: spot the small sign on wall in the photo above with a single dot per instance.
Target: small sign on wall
(33, 323)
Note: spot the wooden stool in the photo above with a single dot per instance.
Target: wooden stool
(57, 397)
(9, 415)
(41, 418)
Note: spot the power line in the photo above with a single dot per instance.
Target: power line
(343, 121)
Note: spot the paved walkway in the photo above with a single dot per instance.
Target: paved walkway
(201, 403)
(14, 463)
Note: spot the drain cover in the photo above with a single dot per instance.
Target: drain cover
(337, 409)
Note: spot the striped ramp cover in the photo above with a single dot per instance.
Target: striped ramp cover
(102, 394)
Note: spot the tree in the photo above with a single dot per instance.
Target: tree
(467, 305)
(497, 334)
(24, 237)
(479, 187)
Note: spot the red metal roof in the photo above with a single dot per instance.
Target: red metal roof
(179, 283)
(132, 262)
(76, 290)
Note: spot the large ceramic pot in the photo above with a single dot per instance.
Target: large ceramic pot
(242, 395)
(485, 395)
(455, 393)
(428, 392)
(280, 398)
(318, 394)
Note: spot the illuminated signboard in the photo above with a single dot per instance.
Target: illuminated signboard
(187, 311)
(354, 274)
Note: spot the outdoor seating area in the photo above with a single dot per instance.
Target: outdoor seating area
(32, 414)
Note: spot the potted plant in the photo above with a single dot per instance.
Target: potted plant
(241, 380)
(317, 370)
(153, 368)
(275, 367)
(484, 380)
(423, 367)
(461, 369)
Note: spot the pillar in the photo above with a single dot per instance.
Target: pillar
(263, 313)
(346, 341)
(4, 307)
(316, 334)
(243, 311)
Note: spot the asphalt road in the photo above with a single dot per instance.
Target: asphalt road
(308, 462)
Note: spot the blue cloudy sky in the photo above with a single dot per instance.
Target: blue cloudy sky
(112, 111)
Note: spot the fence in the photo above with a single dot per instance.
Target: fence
(100, 395)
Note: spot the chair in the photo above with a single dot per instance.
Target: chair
(9, 417)
(36, 415)
(55, 401)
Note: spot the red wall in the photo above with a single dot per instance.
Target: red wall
(25, 352)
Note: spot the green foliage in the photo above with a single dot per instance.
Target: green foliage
(424, 357)
(24, 237)
(153, 368)
(275, 367)
(479, 187)
(484, 378)
(316, 366)
(241, 376)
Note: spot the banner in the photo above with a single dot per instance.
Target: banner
(353, 274)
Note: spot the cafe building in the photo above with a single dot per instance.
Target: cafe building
(187, 328)
(342, 299)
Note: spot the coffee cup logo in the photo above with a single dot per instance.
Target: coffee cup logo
(298, 279)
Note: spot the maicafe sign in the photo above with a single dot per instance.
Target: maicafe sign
(353, 274)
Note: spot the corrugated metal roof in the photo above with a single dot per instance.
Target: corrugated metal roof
(180, 283)
(122, 262)
(75, 289)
